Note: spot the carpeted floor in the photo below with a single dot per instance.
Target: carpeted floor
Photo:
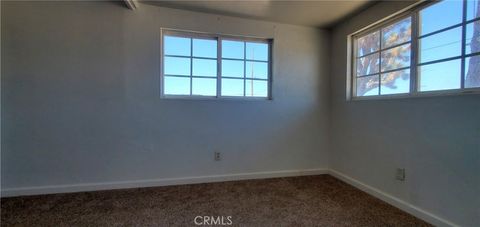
(294, 201)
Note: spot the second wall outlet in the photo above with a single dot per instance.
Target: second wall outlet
(217, 156)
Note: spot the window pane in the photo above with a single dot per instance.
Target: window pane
(257, 51)
(257, 70)
(473, 9)
(177, 66)
(442, 45)
(368, 65)
(472, 72)
(176, 85)
(440, 15)
(473, 38)
(232, 49)
(397, 33)
(367, 86)
(368, 44)
(256, 88)
(204, 67)
(396, 82)
(232, 87)
(232, 68)
(440, 76)
(395, 58)
(204, 86)
(176, 46)
(205, 48)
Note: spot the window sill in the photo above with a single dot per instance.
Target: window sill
(213, 98)
(426, 94)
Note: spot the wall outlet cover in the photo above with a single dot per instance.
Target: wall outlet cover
(217, 156)
(400, 174)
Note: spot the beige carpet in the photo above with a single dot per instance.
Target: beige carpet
(294, 201)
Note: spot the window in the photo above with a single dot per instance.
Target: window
(433, 47)
(201, 65)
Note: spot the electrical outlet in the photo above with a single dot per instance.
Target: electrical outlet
(400, 174)
(216, 156)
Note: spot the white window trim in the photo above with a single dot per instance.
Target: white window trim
(413, 12)
(219, 38)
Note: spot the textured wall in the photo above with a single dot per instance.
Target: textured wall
(437, 139)
(80, 99)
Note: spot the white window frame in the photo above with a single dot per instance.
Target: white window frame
(218, 37)
(413, 12)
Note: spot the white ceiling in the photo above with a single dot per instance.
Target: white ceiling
(320, 13)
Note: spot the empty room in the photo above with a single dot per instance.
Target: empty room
(240, 113)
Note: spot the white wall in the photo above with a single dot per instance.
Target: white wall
(80, 99)
(436, 139)
(80, 105)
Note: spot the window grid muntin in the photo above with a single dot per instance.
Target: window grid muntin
(435, 33)
(379, 29)
(462, 55)
(218, 38)
(244, 69)
(384, 49)
(464, 49)
(191, 65)
(385, 71)
(244, 78)
(414, 63)
(382, 71)
(380, 50)
(182, 56)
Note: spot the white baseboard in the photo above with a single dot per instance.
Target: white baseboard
(405, 206)
(394, 201)
(51, 189)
